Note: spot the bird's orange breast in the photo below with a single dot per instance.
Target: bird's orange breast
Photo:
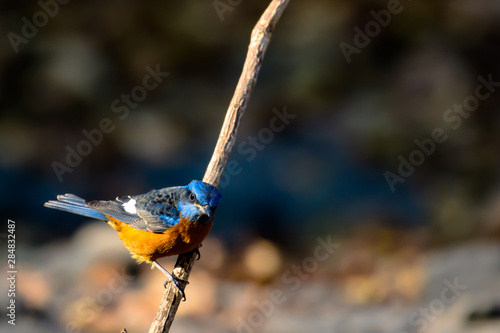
(148, 246)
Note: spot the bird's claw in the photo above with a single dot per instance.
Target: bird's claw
(178, 285)
(197, 251)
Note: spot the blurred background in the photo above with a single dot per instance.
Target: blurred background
(310, 234)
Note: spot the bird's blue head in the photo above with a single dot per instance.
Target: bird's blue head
(199, 202)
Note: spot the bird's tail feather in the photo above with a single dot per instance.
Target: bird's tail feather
(76, 205)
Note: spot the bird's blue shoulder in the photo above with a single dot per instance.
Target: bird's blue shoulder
(160, 206)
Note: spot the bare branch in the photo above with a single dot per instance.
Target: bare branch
(259, 41)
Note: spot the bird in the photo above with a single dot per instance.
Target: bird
(160, 223)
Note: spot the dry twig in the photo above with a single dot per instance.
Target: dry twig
(259, 41)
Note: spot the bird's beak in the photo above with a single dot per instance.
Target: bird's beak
(204, 209)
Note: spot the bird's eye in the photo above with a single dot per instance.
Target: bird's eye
(192, 197)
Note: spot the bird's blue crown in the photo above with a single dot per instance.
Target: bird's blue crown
(205, 193)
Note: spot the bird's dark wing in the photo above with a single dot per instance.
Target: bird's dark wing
(158, 209)
(120, 209)
(154, 211)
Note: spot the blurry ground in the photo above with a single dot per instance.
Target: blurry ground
(377, 280)
(420, 257)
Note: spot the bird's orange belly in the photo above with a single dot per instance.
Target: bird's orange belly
(149, 246)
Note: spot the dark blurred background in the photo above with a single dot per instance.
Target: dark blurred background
(67, 68)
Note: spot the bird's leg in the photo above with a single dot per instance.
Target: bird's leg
(177, 282)
(197, 251)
